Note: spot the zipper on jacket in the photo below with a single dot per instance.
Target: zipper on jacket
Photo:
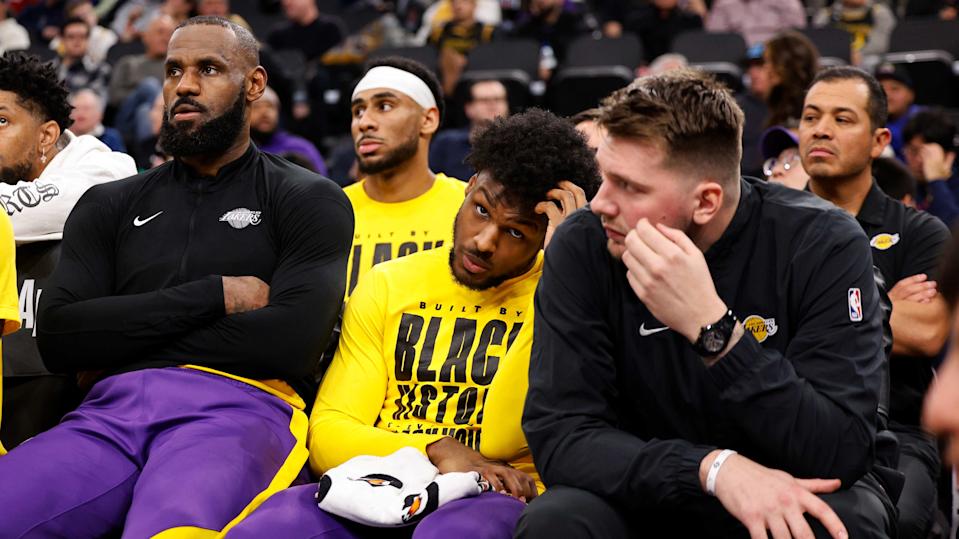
(189, 236)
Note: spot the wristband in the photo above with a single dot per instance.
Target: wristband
(714, 470)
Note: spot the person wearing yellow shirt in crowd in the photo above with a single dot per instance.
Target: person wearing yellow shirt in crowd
(401, 207)
(9, 306)
(425, 336)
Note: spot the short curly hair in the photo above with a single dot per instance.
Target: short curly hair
(37, 87)
(530, 152)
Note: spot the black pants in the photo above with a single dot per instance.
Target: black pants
(569, 512)
(919, 462)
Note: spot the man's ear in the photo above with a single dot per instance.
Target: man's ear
(431, 121)
(49, 134)
(256, 84)
(708, 201)
(880, 139)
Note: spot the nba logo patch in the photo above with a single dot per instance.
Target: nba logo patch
(855, 305)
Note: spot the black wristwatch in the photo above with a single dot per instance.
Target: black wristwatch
(714, 337)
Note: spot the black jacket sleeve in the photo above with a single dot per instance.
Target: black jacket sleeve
(285, 338)
(813, 410)
(82, 326)
(569, 418)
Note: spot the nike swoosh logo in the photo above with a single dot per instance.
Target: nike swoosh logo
(643, 332)
(138, 222)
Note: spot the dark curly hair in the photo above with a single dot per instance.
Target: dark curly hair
(421, 71)
(795, 60)
(37, 87)
(529, 153)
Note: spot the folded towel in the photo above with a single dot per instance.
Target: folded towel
(395, 490)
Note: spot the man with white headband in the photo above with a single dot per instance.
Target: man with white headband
(401, 207)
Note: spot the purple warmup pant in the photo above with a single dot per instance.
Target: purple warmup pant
(293, 514)
(171, 452)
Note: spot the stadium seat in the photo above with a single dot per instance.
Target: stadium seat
(42, 51)
(424, 55)
(719, 53)
(928, 49)
(121, 49)
(515, 63)
(834, 45)
(594, 68)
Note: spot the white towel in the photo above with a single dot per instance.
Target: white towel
(395, 490)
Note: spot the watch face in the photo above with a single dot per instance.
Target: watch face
(714, 341)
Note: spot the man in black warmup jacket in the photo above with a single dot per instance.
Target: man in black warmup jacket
(694, 314)
(200, 293)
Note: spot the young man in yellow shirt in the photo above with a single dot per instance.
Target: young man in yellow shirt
(400, 205)
(424, 337)
(9, 306)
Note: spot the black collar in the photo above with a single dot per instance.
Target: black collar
(184, 172)
(873, 208)
(748, 200)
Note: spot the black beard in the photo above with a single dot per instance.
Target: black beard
(490, 282)
(397, 157)
(16, 173)
(212, 138)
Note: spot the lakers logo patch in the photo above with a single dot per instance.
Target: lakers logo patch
(241, 218)
(761, 328)
(884, 241)
(380, 480)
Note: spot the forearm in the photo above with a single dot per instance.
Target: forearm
(106, 332)
(808, 430)
(919, 329)
(581, 452)
(336, 437)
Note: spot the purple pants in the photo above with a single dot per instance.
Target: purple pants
(159, 450)
(293, 514)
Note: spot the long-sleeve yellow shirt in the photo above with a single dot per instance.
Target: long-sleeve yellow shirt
(416, 358)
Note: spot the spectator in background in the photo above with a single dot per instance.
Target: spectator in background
(841, 132)
(657, 23)
(441, 12)
(306, 29)
(780, 148)
(901, 96)
(869, 22)
(74, 67)
(753, 103)
(941, 410)
(43, 19)
(101, 38)
(13, 37)
(220, 8)
(895, 180)
(586, 122)
(269, 138)
(131, 70)
(554, 27)
(930, 154)
(487, 101)
(87, 116)
(456, 39)
(755, 20)
(790, 62)
(134, 17)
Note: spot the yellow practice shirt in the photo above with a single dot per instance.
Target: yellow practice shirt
(9, 305)
(385, 231)
(416, 359)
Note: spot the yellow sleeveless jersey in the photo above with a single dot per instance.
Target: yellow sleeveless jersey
(9, 299)
(416, 359)
(385, 231)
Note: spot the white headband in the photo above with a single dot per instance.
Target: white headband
(399, 80)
